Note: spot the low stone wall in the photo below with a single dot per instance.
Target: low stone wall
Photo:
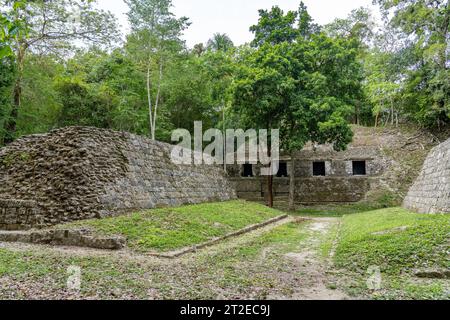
(72, 238)
(19, 215)
(80, 173)
(431, 191)
(307, 190)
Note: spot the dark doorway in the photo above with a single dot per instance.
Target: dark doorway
(283, 170)
(319, 169)
(359, 168)
(247, 171)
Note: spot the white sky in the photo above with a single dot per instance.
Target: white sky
(234, 17)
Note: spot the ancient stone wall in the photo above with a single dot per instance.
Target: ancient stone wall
(339, 184)
(392, 156)
(81, 173)
(431, 191)
(17, 214)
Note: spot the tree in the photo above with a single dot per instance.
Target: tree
(275, 26)
(155, 38)
(7, 75)
(51, 26)
(10, 26)
(187, 94)
(381, 88)
(40, 100)
(220, 42)
(426, 74)
(303, 86)
(199, 49)
(306, 25)
(359, 27)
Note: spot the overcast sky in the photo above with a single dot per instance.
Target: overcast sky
(234, 17)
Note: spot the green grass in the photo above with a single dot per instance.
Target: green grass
(335, 210)
(174, 228)
(235, 271)
(49, 272)
(398, 242)
(394, 239)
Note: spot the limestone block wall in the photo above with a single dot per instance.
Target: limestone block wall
(431, 191)
(19, 215)
(338, 185)
(80, 173)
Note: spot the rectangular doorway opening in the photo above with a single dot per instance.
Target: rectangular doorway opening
(282, 170)
(359, 168)
(247, 170)
(319, 169)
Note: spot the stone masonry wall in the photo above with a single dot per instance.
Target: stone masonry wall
(393, 159)
(338, 185)
(431, 191)
(80, 173)
(16, 214)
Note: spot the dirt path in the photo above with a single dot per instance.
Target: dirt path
(314, 283)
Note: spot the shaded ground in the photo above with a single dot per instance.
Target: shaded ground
(321, 258)
(278, 262)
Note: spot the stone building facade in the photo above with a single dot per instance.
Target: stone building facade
(80, 173)
(321, 175)
(431, 191)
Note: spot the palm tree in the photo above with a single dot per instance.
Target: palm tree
(220, 42)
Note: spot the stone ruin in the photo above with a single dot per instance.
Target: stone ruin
(380, 165)
(431, 191)
(80, 173)
(321, 174)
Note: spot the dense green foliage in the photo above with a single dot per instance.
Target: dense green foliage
(7, 74)
(302, 82)
(308, 80)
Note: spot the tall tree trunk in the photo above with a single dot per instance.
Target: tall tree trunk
(270, 180)
(11, 125)
(270, 190)
(392, 112)
(149, 97)
(292, 184)
(377, 117)
(158, 94)
(224, 138)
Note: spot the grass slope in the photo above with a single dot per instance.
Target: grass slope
(173, 228)
(396, 241)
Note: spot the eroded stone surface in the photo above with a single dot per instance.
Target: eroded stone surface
(75, 238)
(80, 173)
(431, 191)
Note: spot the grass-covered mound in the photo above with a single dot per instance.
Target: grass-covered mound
(394, 240)
(174, 228)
